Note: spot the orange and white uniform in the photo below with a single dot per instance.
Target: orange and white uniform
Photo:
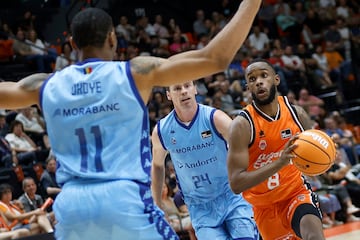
(276, 199)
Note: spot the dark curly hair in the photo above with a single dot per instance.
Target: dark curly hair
(90, 27)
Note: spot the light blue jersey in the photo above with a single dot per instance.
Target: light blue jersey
(199, 154)
(98, 128)
(97, 123)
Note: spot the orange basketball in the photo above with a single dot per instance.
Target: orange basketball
(315, 152)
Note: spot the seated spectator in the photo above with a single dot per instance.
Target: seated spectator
(312, 104)
(181, 206)
(259, 41)
(4, 126)
(288, 24)
(66, 58)
(24, 53)
(277, 62)
(294, 69)
(8, 156)
(48, 179)
(292, 98)
(329, 203)
(34, 126)
(340, 173)
(178, 220)
(322, 65)
(14, 216)
(340, 69)
(331, 127)
(318, 185)
(6, 234)
(26, 150)
(31, 201)
(38, 47)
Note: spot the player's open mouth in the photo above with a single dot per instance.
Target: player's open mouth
(261, 92)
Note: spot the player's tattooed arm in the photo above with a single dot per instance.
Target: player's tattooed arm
(304, 118)
(33, 82)
(144, 65)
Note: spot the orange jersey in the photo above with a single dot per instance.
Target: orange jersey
(269, 136)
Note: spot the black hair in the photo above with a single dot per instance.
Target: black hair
(5, 187)
(90, 27)
(14, 124)
(264, 61)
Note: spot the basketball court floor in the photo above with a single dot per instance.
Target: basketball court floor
(348, 231)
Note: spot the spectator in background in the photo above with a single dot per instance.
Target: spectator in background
(39, 48)
(199, 26)
(24, 53)
(343, 141)
(275, 59)
(66, 58)
(34, 126)
(5, 233)
(124, 29)
(312, 104)
(26, 150)
(48, 178)
(292, 98)
(329, 203)
(160, 30)
(259, 41)
(289, 25)
(294, 69)
(332, 34)
(31, 201)
(266, 16)
(8, 156)
(14, 215)
(322, 66)
(313, 26)
(178, 220)
(4, 126)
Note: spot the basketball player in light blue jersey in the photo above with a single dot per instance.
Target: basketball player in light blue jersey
(98, 125)
(195, 137)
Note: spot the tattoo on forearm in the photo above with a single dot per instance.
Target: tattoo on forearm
(144, 65)
(34, 81)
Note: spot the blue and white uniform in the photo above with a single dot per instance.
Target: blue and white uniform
(98, 128)
(199, 153)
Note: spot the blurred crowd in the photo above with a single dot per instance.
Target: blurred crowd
(314, 46)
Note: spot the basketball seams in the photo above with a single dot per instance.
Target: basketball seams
(309, 143)
(322, 150)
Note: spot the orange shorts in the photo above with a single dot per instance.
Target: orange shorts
(274, 221)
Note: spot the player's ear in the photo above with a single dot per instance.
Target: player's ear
(112, 38)
(168, 95)
(277, 79)
(73, 44)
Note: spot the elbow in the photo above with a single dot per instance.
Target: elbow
(234, 186)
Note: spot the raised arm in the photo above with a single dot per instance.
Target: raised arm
(14, 95)
(158, 167)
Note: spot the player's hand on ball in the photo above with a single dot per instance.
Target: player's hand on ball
(287, 154)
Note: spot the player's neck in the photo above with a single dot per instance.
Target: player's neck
(91, 52)
(185, 115)
(272, 109)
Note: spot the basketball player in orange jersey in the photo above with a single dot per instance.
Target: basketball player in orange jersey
(259, 160)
